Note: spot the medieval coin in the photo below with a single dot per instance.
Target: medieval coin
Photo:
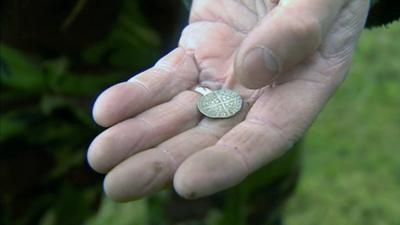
(221, 103)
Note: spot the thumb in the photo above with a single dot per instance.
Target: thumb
(291, 32)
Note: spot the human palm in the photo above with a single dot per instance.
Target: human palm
(156, 134)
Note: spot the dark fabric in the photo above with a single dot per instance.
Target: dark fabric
(383, 12)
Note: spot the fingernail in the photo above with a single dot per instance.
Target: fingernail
(260, 67)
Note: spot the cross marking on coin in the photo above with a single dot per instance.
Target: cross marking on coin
(222, 103)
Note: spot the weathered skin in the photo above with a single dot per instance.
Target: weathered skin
(156, 134)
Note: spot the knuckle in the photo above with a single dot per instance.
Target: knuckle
(304, 26)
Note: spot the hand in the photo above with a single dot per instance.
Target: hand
(156, 134)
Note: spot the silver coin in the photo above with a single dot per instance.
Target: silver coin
(222, 103)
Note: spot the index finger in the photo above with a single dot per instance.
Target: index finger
(172, 74)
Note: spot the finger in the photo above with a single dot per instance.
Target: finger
(146, 130)
(229, 162)
(172, 74)
(290, 33)
(151, 170)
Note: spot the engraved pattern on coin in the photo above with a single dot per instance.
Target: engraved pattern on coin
(222, 103)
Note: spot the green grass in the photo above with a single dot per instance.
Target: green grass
(352, 153)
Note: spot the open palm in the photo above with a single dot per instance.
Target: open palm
(156, 134)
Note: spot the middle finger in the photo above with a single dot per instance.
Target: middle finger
(143, 131)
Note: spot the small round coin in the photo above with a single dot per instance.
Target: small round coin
(221, 103)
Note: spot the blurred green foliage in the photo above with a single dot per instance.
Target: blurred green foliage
(351, 173)
(46, 125)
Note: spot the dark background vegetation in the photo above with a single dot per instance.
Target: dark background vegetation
(56, 56)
